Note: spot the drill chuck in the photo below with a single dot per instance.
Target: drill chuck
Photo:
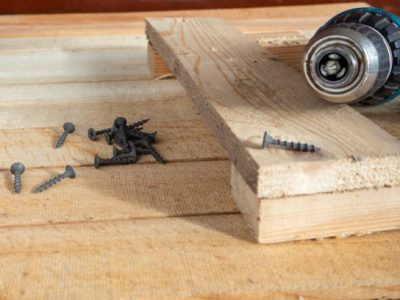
(355, 58)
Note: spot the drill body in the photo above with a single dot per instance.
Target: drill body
(355, 58)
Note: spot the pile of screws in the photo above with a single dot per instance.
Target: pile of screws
(129, 141)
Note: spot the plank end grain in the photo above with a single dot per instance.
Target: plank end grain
(241, 90)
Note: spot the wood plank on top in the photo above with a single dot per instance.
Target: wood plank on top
(241, 92)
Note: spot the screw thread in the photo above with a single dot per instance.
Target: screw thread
(113, 161)
(295, 146)
(50, 183)
(17, 183)
(302, 147)
(103, 131)
(156, 155)
(61, 140)
(137, 124)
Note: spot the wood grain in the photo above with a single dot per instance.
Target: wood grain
(63, 6)
(223, 71)
(25, 67)
(115, 193)
(317, 216)
(258, 20)
(103, 259)
(124, 242)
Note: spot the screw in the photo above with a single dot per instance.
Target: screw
(138, 124)
(120, 157)
(117, 160)
(92, 134)
(268, 140)
(69, 172)
(68, 128)
(147, 148)
(17, 169)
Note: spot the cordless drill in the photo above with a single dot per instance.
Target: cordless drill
(355, 58)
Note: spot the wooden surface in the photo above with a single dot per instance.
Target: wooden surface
(229, 78)
(151, 231)
(68, 6)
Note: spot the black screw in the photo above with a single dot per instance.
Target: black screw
(68, 128)
(17, 169)
(146, 147)
(116, 160)
(92, 134)
(295, 146)
(138, 124)
(69, 172)
(120, 157)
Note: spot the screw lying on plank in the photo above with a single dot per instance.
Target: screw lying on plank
(69, 172)
(68, 128)
(295, 146)
(17, 169)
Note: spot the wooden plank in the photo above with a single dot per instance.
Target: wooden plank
(158, 68)
(139, 93)
(220, 78)
(62, 6)
(132, 23)
(118, 193)
(27, 67)
(182, 135)
(97, 260)
(73, 43)
(317, 216)
(177, 142)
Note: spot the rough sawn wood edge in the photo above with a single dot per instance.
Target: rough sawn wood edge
(316, 216)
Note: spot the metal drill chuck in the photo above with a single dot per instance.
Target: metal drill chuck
(355, 58)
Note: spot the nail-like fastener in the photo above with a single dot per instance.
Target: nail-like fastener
(17, 169)
(295, 146)
(98, 162)
(92, 134)
(68, 128)
(69, 172)
(145, 147)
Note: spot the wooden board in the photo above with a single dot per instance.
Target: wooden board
(174, 234)
(230, 80)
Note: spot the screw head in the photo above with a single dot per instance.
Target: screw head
(70, 172)
(97, 161)
(92, 134)
(17, 168)
(120, 122)
(69, 127)
(153, 136)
